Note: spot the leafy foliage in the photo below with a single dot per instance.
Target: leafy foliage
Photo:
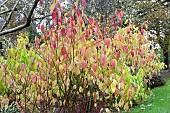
(75, 67)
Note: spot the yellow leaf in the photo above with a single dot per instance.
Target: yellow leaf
(107, 110)
(55, 1)
(76, 70)
(126, 22)
(52, 6)
(126, 107)
(113, 85)
(70, 68)
(61, 68)
(80, 89)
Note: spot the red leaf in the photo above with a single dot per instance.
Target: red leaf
(103, 58)
(83, 64)
(94, 67)
(142, 31)
(53, 44)
(69, 32)
(78, 12)
(120, 14)
(82, 51)
(128, 30)
(120, 21)
(60, 1)
(33, 78)
(61, 9)
(83, 3)
(40, 3)
(107, 42)
(60, 21)
(37, 41)
(22, 66)
(113, 63)
(63, 51)
(132, 53)
(125, 49)
(54, 15)
(42, 28)
(115, 25)
(118, 37)
(95, 29)
(81, 22)
(100, 77)
(63, 31)
(91, 20)
(73, 5)
(38, 26)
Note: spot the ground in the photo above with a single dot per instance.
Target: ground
(159, 100)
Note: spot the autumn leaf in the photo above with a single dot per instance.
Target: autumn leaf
(113, 86)
(76, 70)
(107, 41)
(52, 7)
(42, 28)
(126, 106)
(33, 78)
(71, 66)
(82, 50)
(69, 32)
(113, 63)
(55, 1)
(94, 67)
(83, 3)
(63, 51)
(128, 30)
(84, 64)
(120, 14)
(132, 53)
(78, 12)
(91, 20)
(40, 3)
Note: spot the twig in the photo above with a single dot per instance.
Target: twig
(9, 16)
(4, 3)
(26, 24)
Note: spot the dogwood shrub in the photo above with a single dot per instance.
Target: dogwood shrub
(75, 67)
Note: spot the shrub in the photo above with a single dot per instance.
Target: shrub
(77, 68)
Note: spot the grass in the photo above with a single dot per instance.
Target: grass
(159, 102)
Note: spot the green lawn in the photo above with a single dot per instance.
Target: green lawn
(159, 102)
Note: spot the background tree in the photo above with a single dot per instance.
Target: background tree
(157, 14)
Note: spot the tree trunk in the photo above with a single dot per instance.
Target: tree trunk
(166, 60)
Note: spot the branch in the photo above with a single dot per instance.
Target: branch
(9, 17)
(4, 12)
(26, 24)
(4, 3)
(40, 18)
